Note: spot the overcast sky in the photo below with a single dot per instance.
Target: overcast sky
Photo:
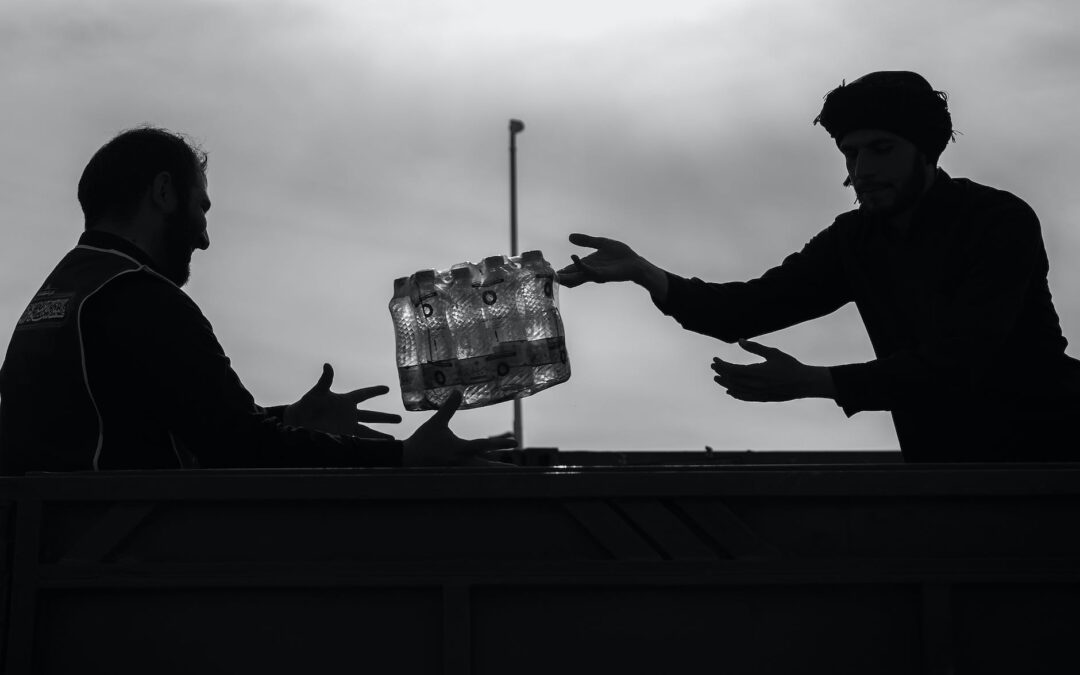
(352, 142)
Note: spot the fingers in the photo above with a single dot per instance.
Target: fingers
(481, 445)
(760, 349)
(612, 261)
(586, 272)
(325, 380)
(586, 240)
(749, 394)
(480, 461)
(366, 432)
(744, 382)
(465, 450)
(364, 393)
(571, 276)
(446, 410)
(725, 369)
(373, 417)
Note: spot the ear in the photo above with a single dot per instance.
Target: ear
(163, 192)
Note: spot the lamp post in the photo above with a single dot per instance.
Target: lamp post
(516, 127)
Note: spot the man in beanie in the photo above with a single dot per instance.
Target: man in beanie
(949, 276)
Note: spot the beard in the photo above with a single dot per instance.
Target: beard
(178, 249)
(908, 193)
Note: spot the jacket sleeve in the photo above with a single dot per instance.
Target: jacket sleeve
(806, 285)
(181, 364)
(972, 318)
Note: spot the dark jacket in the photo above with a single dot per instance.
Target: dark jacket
(970, 356)
(112, 366)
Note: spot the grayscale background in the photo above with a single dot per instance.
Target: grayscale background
(353, 141)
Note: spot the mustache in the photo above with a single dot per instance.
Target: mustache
(860, 187)
(863, 187)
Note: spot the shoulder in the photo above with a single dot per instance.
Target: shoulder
(995, 222)
(993, 205)
(144, 298)
(845, 228)
(846, 222)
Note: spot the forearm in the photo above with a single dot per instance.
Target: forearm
(807, 285)
(736, 310)
(214, 414)
(901, 380)
(820, 383)
(653, 279)
(260, 440)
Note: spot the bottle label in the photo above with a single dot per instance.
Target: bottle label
(510, 353)
(438, 374)
(548, 282)
(476, 370)
(410, 378)
(547, 351)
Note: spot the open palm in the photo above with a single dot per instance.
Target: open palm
(324, 410)
(611, 261)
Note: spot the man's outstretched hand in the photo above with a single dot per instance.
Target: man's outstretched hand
(780, 378)
(433, 444)
(611, 261)
(323, 410)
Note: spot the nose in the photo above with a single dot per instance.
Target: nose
(202, 241)
(864, 166)
(858, 166)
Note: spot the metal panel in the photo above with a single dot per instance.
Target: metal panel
(742, 568)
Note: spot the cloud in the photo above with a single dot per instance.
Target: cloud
(354, 142)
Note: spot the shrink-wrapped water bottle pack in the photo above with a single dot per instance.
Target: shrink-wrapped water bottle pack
(492, 331)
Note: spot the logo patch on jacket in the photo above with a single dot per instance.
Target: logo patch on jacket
(51, 310)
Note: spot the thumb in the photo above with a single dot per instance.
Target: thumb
(325, 380)
(759, 349)
(446, 410)
(586, 240)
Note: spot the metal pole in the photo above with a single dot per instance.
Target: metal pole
(516, 127)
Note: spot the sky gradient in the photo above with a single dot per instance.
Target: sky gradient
(354, 142)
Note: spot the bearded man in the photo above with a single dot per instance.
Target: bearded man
(112, 366)
(949, 277)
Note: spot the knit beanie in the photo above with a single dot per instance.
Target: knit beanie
(897, 101)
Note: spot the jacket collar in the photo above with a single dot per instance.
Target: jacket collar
(112, 242)
(941, 192)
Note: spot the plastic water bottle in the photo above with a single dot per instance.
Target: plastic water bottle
(403, 312)
(501, 278)
(493, 332)
(474, 340)
(537, 302)
(439, 371)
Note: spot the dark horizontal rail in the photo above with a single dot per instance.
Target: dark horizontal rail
(616, 574)
(535, 482)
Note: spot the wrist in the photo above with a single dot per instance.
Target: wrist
(822, 385)
(652, 279)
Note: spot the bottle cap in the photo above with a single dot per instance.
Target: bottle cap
(399, 285)
(425, 277)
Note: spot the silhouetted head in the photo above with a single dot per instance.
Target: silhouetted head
(149, 184)
(897, 101)
(892, 127)
(121, 171)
